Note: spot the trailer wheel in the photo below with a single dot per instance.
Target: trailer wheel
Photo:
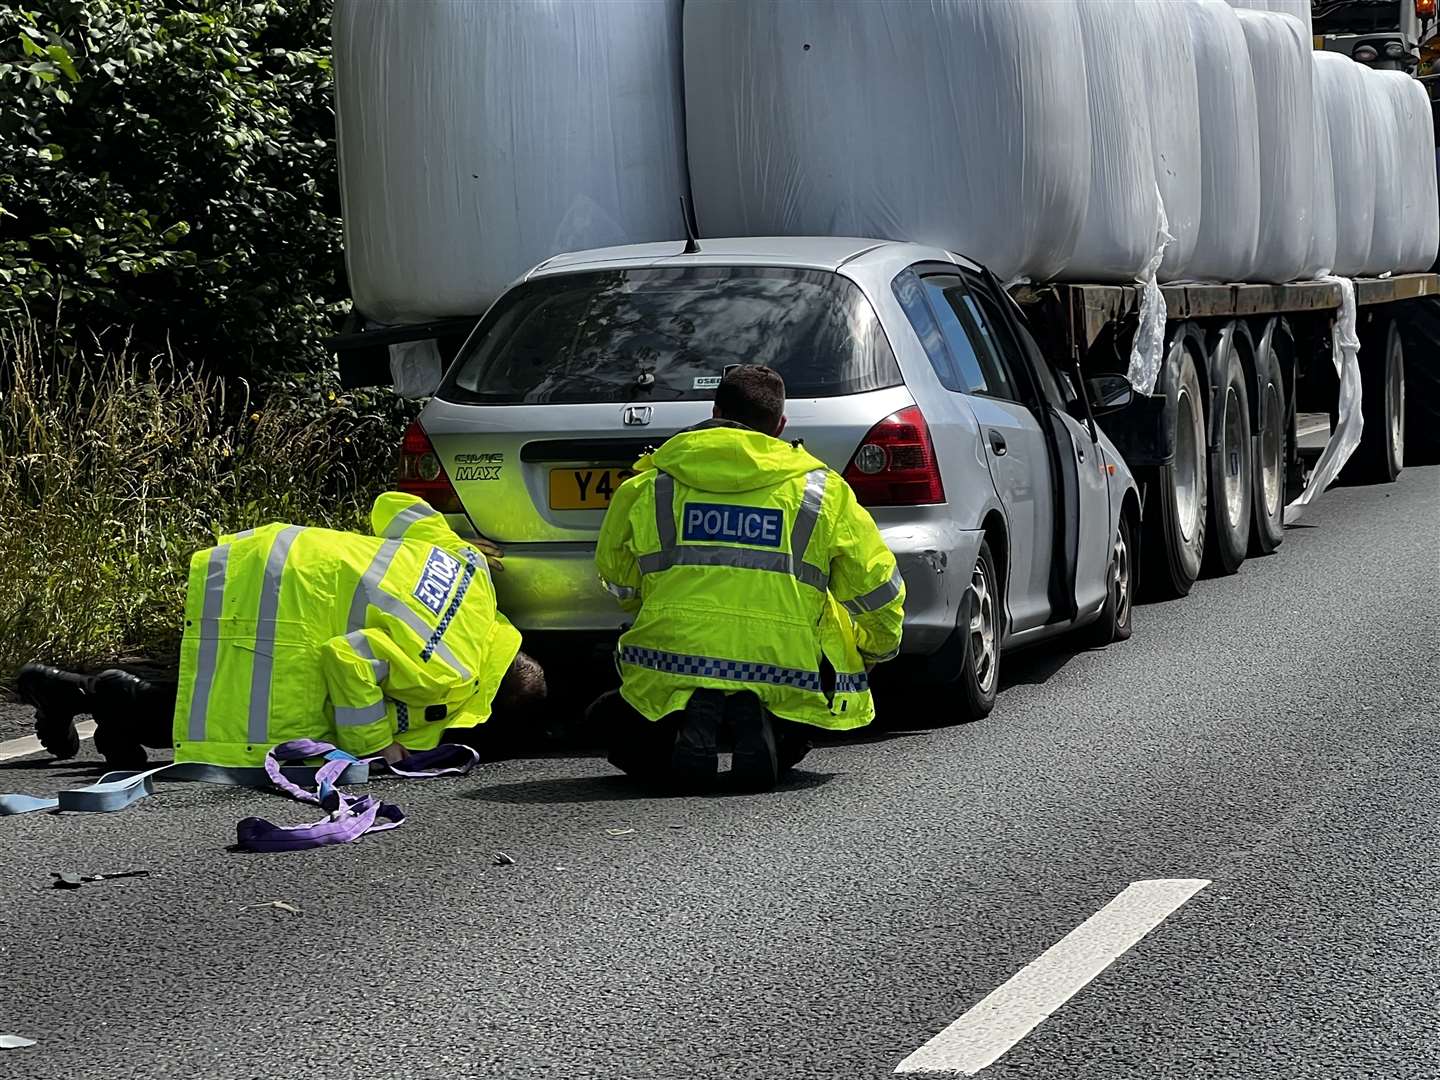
(1173, 529)
(1381, 453)
(1271, 446)
(1230, 465)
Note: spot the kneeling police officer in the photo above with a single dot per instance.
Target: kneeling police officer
(762, 591)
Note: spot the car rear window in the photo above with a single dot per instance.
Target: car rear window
(669, 334)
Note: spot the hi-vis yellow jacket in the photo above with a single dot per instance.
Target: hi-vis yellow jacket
(358, 640)
(746, 560)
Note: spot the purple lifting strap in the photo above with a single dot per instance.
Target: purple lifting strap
(350, 816)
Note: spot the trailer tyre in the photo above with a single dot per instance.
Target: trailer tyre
(1381, 453)
(1232, 488)
(1271, 445)
(1174, 520)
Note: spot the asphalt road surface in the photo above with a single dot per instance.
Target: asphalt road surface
(1273, 735)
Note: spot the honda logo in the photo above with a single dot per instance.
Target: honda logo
(638, 415)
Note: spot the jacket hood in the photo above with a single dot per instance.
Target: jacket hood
(730, 459)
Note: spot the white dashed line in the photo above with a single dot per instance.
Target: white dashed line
(29, 744)
(1015, 1009)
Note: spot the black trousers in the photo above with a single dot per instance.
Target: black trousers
(641, 748)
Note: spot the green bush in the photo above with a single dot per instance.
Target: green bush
(167, 175)
(113, 472)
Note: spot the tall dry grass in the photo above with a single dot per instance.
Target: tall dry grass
(114, 469)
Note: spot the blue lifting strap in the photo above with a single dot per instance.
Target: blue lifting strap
(117, 790)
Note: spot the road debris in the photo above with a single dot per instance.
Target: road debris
(618, 832)
(283, 905)
(15, 1042)
(69, 879)
(501, 859)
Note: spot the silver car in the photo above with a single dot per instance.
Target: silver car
(908, 370)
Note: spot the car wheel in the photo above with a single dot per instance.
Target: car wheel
(1114, 623)
(1231, 486)
(1268, 500)
(979, 678)
(1174, 521)
(1381, 453)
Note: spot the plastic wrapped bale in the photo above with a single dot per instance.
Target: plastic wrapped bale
(1280, 58)
(1229, 145)
(477, 139)
(1320, 256)
(1300, 9)
(1415, 150)
(953, 123)
(1340, 98)
(1172, 98)
(1388, 240)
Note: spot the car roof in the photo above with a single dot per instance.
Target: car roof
(803, 252)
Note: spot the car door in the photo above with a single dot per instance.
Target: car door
(1012, 439)
(1059, 397)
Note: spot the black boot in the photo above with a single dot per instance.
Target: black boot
(756, 765)
(123, 704)
(695, 759)
(56, 696)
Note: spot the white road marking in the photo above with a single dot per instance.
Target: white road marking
(29, 744)
(1015, 1009)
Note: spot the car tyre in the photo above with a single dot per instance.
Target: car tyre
(979, 678)
(1231, 487)
(1174, 520)
(1115, 621)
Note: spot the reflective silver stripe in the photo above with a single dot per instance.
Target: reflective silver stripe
(808, 514)
(623, 592)
(396, 607)
(243, 534)
(665, 509)
(880, 659)
(370, 583)
(264, 667)
(877, 597)
(403, 520)
(379, 669)
(210, 609)
(356, 717)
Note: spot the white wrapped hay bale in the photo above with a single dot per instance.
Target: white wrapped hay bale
(1415, 150)
(1300, 9)
(1168, 65)
(1229, 145)
(1122, 213)
(1389, 237)
(1280, 58)
(1320, 258)
(1340, 98)
(954, 123)
(476, 139)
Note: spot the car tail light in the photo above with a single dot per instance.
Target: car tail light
(1425, 8)
(422, 474)
(895, 464)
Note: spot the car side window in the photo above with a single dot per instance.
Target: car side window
(967, 331)
(911, 295)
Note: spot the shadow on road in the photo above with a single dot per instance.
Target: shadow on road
(618, 788)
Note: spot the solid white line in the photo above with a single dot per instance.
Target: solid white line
(1015, 1009)
(29, 744)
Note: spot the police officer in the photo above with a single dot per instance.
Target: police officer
(762, 593)
(379, 644)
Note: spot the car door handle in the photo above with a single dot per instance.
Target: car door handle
(997, 443)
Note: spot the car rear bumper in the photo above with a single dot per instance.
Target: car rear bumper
(553, 588)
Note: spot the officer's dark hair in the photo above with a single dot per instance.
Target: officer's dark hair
(523, 685)
(753, 395)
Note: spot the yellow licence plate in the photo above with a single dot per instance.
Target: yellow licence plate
(586, 489)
